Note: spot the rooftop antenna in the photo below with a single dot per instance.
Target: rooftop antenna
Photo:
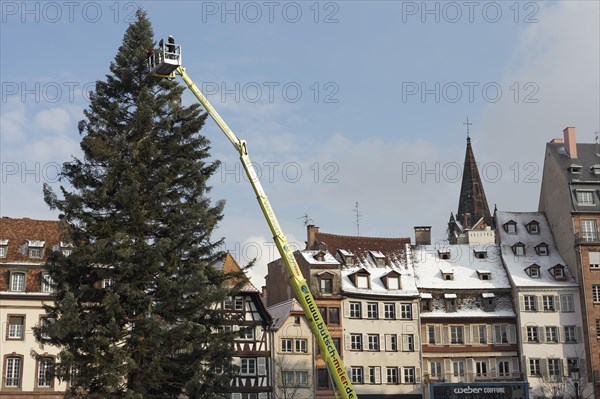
(307, 220)
(358, 216)
(468, 124)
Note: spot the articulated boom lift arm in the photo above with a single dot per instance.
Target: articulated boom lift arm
(165, 63)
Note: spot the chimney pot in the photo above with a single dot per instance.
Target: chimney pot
(570, 141)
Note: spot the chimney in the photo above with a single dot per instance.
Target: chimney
(423, 235)
(311, 233)
(570, 142)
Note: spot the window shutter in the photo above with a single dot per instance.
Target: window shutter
(261, 365)
(438, 334)
(398, 310)
(524, 335)
(544, 364)
(424, 335)
(512, 334)
(541, 334)
(470, 366)
(347, 342)
(404, 342)
(415, 311)
(492, 363)
(445, 335)
(347, 309)
(561, 334)
(388, 342)
(377, 375)
(365, 342)
(236, 328)
(522, 302)
(557, 303)
(475, 334)
(418, 375)
(380, 310)
(538, 303)
(563, 302)
(515, 365)
(490, 336)
(236, 395)
(447, 372)
(263, 395)
(467, 332)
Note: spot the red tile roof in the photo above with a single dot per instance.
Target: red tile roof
(19, 231)
(360, 246)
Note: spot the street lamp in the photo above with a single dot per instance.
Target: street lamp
(575, 377)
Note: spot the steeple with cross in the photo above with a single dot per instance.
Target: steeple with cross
(468, 124)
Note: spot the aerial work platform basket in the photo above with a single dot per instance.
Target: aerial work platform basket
(164, 60)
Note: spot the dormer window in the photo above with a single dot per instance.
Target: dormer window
(558, 272)
(575, 169)
(489, 301)
(542, 249)
(35, 248)
(510, 227)
(480, 254)
(17, 281)
(484, 274)
(391, 280)
(585, 197)
(347, 257)
(361, 279)
(533, 227)
(450, 302)
(444, 254)
(325, 283)
(447, 274)
(595, 169)
(533, 271)
(519, 249)
(378, 258)
(3, 248)
(66, 248)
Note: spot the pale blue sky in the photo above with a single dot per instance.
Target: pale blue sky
(360, 131)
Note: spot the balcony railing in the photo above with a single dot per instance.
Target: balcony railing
(590, 237)
(490, 376)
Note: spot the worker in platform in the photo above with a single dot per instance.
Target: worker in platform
(171, 46)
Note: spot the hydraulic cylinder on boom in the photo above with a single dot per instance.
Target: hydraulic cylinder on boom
(166, 62)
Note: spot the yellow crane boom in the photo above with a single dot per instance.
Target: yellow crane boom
(166, 62)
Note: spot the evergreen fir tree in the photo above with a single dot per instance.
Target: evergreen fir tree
(135, 313)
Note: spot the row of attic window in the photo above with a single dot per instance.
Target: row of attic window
(34, 249)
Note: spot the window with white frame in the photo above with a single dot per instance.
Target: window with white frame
(457, 335)
(529, 303)
(326, 284)
(287, 378)
(286, 345)
(548, 303)
(227, 303)
(501, 334)
(481, 368)
(589, 230)
(17, 281)
(542, 249)
(567, 304)
(47, 283)
(393, 283)
(108, 282)
(16, 327)
(534, 271)
(435, 369)
(301, 378)
(3, 251)
(391, 342)
(391, 375)
(35, 252)
(458, 368)
(46, 322)
(510, 227)
(44, 375)
(372, 310)
(248, 333)
(355, 310)
(532, 334)
(482, 334)
(13, 372)
(409, 375)
(408, 342)
(554, 368)
(301, 345)
(373, 342)
(373, 372)
(594, 259)
(248, 366)
(551, 334)
(503, 368)
(389, 311)
(356, 375)
(431, 334)
(535, 368)
(238, 303)
(596, 293)
(570, 334)
(585, 197)
(356, 342)
(519, 249)
(406, 311)
(533, 227)
(362, 281)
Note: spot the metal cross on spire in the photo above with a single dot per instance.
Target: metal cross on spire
(468, 124)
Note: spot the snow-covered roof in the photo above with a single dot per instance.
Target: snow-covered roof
(407, 280)
(517, 265)
(429, 267)
(345, 253)
(310, 257)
